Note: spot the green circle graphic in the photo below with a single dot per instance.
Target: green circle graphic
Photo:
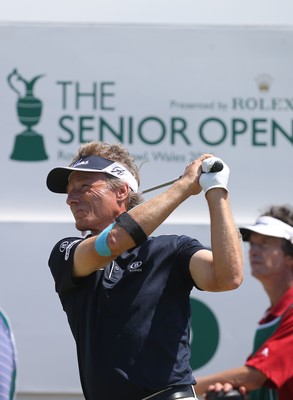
(204, 334)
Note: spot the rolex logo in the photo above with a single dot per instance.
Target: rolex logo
(264, 82)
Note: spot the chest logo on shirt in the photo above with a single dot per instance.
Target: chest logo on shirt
(135, 267)
(265, 352)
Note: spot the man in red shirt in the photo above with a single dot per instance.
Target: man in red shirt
(268, 371)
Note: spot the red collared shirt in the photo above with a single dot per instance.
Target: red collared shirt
(274, 357)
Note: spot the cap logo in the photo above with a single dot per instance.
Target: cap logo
(261, 222)
(117, 170)
(80, 162)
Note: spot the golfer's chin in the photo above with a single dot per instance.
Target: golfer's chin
(82, 225)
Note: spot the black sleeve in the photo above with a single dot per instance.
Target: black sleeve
(186, 248)
(61, 263)
(74, 293)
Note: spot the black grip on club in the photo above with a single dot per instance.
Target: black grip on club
(217, 167)
(233, 394)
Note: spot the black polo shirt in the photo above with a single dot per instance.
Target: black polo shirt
(130, 321)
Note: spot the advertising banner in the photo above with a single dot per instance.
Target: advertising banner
(169, 94)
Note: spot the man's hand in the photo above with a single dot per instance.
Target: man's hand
(225, 392)
(193, 172)
(211, 180)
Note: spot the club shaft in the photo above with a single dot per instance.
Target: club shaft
(159, 186)
(218, 166)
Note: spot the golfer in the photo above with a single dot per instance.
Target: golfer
(125, 292)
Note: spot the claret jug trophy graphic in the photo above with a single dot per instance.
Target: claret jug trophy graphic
(28, 145)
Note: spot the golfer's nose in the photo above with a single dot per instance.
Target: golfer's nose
(72, 197)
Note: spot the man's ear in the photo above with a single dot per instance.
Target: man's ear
(122, 192)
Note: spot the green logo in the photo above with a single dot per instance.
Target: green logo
(205, 334)
(28, 145)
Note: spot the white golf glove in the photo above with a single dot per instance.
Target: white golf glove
(212, 180)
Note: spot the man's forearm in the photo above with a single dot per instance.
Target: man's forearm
(251, 378)
(226, 242)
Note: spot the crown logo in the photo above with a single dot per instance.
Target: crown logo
(264, 83)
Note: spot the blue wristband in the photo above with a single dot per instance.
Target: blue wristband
(101, 245)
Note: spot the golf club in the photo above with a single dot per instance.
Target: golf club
(217, 167)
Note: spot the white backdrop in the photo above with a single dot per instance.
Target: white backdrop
(243, 12)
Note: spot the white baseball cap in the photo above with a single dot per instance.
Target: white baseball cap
(57, 179)
(268, 226)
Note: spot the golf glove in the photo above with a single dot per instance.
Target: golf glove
(212, 180)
